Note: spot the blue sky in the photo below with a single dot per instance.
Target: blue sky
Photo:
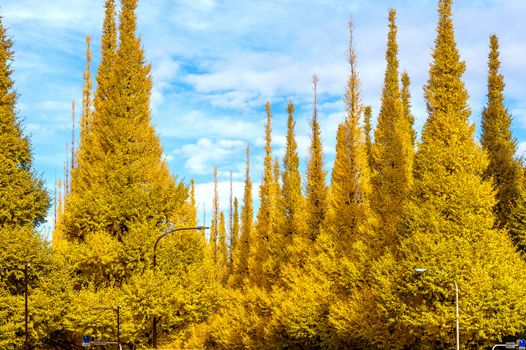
(215, 63)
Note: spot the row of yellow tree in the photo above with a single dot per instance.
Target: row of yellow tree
(327, 263)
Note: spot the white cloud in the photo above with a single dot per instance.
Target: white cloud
(51, 105)
(204, 194)
(205, 154)
(168, 157)
(519, 116)
(164, 70)
(521, 149)
(198, 123)
(235, 99)
(236, 170)
(70, 14)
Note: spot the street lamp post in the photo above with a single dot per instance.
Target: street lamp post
(26, 281)
(422, 270)
(164, 234)
(456, 307)
(117, 311)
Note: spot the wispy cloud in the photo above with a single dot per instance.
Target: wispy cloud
(202, 156)
(197, 123)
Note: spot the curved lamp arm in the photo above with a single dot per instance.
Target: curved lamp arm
(166, 233)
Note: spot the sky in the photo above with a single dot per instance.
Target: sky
(216, 63)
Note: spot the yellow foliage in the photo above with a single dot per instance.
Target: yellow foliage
(242, 250)
(393, 148)
(349, 215)
(23, 199)
(222, 251)
(497, 140)
(448, 230)
(263, 271)
(316, 187)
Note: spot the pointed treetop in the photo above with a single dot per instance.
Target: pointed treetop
(392, 51)
(495, 79)
(214, 232)
(497, 139)
(291, 196)
(241, 254)
(234, 234)
(268, 132)
(352, 93)
(85, 118)
(445, 8)
(231, 208)
(6, 83)
(291, 159)
(316, 187)
(349, 208)
(72, 135)
(23, 199)
(391, 108)
(109, 30)
(406, 102)
(108, 49)
(128, 19)
(315, 81)
(445, 73)
(393, 147)
(267, 175)
(263, 266)
(367, 114)
(247, 209)
(222, 250)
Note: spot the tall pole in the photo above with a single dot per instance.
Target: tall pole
(26, 311)
(456, 306)
(154, 332)
(164, 234)
(422, 270)
(118, 326)
(117, 311)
